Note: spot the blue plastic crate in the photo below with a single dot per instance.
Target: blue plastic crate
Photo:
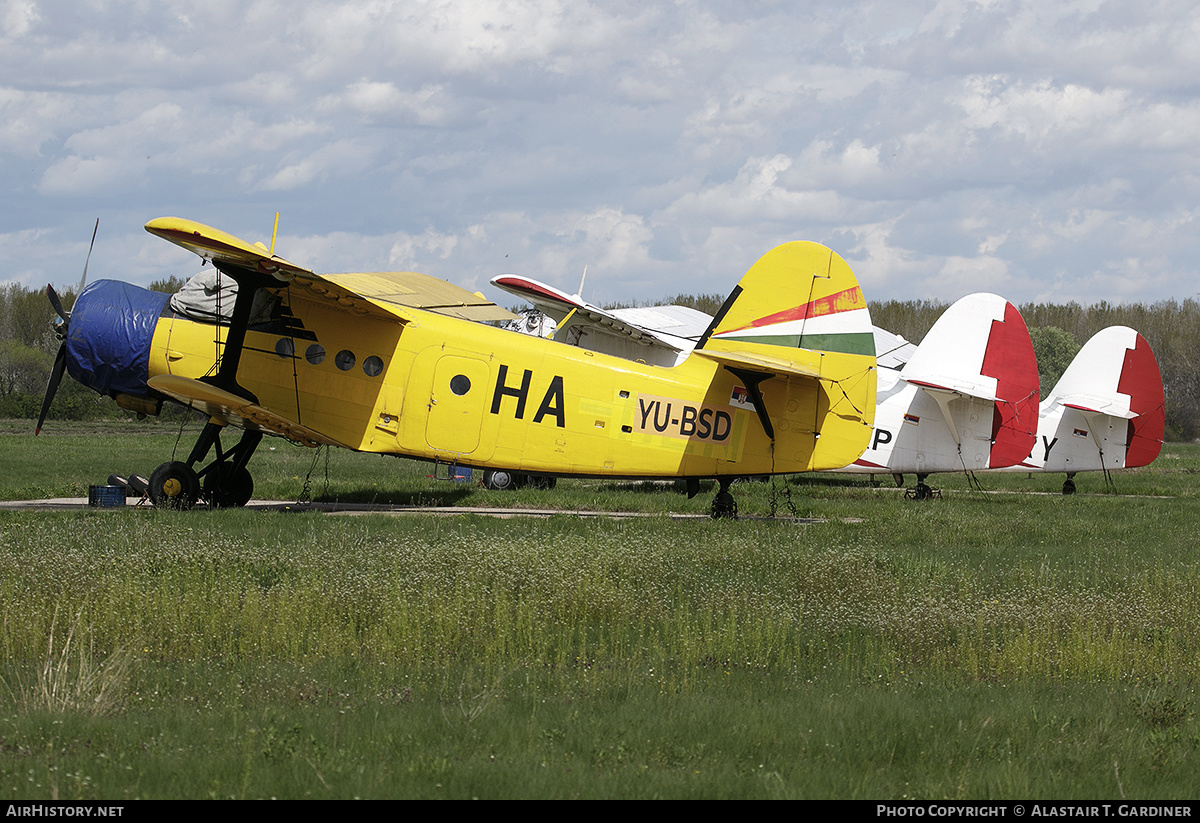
(106, 496)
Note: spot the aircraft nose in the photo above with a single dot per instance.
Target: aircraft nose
(109, 334)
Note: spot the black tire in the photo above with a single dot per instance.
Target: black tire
(174, 486)
(228, 489)
(118, 480)
(499, 480)
(1069, 486)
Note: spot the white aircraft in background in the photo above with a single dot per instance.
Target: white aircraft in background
(658, 335)
(964, 400)
(1106, 411)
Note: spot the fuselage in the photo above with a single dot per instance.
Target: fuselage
(439, 388)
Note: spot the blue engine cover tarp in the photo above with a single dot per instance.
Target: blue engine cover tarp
(110, 331)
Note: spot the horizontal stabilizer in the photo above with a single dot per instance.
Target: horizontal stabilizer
(766, 363)
(1097, 405)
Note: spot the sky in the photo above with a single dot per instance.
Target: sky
(1047, 152)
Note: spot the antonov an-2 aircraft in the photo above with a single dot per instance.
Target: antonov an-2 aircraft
(781, 381)
(1106, 412)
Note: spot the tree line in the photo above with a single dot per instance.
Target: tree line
(28, 346)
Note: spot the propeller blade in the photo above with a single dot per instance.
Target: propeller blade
(56, 373)
(57, 304)
(83, 280)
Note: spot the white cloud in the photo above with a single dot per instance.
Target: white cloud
(666, 146)
(18, 17)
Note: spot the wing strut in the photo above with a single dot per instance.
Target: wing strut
(248, 283)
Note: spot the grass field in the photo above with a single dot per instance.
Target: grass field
(1008, 644)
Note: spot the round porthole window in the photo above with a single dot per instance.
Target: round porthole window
(344, 360)
(315, 354)
(373, 366)
(284, 347)
(460, 384)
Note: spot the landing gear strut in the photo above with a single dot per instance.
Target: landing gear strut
(223, 483)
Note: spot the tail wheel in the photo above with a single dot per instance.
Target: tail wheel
(174, 486)
(724, 507)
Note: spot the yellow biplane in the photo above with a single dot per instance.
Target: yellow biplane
(399, 363)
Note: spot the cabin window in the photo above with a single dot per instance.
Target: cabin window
(373, 366)
(344, 360)
(460, 384)
(315, 354)
(285, 347)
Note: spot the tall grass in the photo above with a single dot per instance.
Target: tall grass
(71, 676)
(567, 595)
(984, 645)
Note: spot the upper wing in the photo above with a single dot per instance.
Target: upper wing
(222, 247)
(386, 293)
(410, 289)
(547, 299)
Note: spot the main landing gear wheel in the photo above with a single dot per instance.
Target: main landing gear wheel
(228, 488)
(499, 480)
(174, 486)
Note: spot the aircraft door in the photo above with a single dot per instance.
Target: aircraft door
(457, 403)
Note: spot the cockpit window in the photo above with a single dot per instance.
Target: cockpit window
(208, 297)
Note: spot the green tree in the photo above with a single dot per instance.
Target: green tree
(1055, 349)
(170, 285)
(911, 319)
(23, 369)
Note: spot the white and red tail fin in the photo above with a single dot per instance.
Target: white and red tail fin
(964, 354)
(965, 400)
(1116, 375)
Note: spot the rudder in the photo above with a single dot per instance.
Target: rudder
(798, 295)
